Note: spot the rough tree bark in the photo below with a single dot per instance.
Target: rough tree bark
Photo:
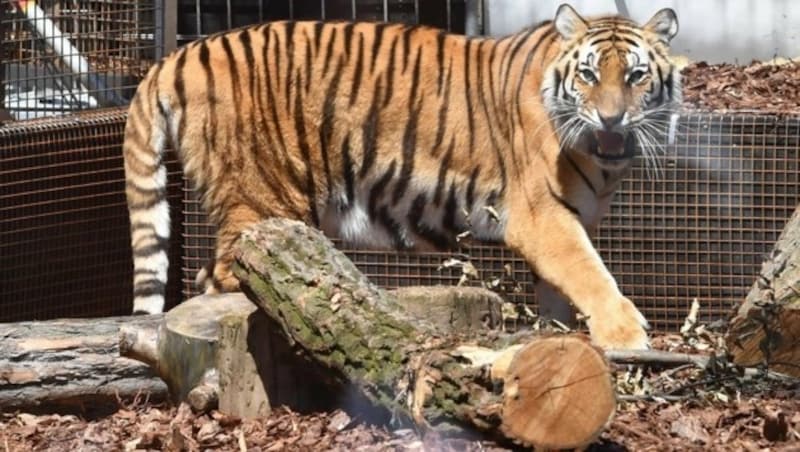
(72, 364)
(553, 392)
(765, 328)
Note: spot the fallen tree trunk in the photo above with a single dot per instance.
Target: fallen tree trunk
(553, 392)
(765, 329)
(72, 365)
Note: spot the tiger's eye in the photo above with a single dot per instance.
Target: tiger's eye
(588, 76)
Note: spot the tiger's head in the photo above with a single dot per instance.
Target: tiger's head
(612, 85)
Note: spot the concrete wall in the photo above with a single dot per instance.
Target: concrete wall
(710, 30)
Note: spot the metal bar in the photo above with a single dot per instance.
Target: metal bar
(199, 23)
(169, 26)
(229, 14)
(449, 15)
(353, 9)
(473, 22)
(416, 11)
(322, 9)
(386, 10)
(4, 115)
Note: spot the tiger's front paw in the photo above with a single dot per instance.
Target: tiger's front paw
(618, 325)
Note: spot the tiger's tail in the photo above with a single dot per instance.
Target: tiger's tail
(146, 190)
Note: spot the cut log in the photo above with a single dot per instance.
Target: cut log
(220, 351)
(72, 365)
(449, 308)
(441, 381)
(765, 329)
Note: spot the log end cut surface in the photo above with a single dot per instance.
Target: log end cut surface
(558, 393)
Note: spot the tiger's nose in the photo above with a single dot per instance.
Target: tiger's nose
(610, 122)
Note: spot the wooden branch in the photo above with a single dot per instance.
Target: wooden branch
(72, 365)
(655, 357)
(437, 379)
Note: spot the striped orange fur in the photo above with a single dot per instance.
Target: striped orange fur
(406, 136)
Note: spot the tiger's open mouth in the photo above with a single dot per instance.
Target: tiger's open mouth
(611, 147)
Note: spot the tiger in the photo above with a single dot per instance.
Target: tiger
(407, 137)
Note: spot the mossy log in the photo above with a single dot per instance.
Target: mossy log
(553, 392)
(72, 365)
(765, 329)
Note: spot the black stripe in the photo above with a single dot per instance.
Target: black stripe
(522, 38)
(407, 46)
(271, 102)
(557, 81)
(230, 158)
(450, 209)
(631, 42)
(473, 179)
(440, 37)
(410, 135)
(347, 171)
(369, 133)
(329, 51)
(567, 72)
(160, 196)
(548, 36)
(289, 50)
(149, 250)
(211, 101)
(660, 97)
(490, 121)
(180, 91)
(394, 228)
(668, 84)
(308, 62)
(318, 26)
(358, 70)
(376, 191)
(328, 118)
(580, 173)
(598, 40)
(305, 152)
(443, 167)
(574, 210)
(144, 271)
(432, 236)
(468, 96)
(149, 287)
(390, 73)
(444, 107)
(348, 37)
(380, 30)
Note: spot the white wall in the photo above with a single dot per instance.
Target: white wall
(710, 30)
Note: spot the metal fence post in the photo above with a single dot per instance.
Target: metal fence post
(166, 34)
(4, 115)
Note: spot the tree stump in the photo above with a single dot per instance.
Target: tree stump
(201, 350)
(72, 365)
(444, 381)
(765, 329)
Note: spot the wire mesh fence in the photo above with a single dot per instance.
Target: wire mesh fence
(64, 230)
(699, 231)
(59, 56)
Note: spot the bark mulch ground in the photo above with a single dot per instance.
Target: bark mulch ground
(762, 87)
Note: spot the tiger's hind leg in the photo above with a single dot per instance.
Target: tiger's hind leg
(236, 220)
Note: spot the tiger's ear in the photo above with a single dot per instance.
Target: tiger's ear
(664, 24)
(569, 23)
